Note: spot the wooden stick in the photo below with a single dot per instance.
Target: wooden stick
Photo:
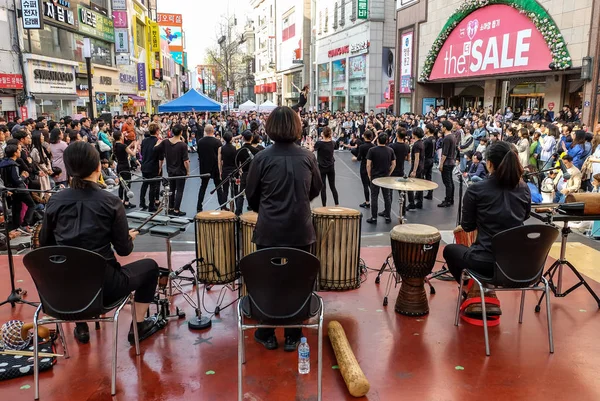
(27, 353)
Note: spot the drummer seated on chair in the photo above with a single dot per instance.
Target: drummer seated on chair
(85, 216)
(491, 206)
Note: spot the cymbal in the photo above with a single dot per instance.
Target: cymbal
(405, 184)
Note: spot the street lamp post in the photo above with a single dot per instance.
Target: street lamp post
(87, 54)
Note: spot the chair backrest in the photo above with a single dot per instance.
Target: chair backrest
(280, 282)
(69, 281)
(521, 254)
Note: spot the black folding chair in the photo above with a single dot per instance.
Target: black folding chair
(516, 270)
(280, 283)
(69, 282)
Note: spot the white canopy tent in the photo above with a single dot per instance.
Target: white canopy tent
(267, 107)
(248, 106)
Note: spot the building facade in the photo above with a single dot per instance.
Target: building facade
(265, 52)
(11, 74)
(496, 53)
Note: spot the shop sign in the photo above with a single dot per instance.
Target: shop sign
(122, 59)
(357, 67)
(60, 12)
(406, 62)
(121, 40)
(24, 113)
(82, 69)
(11, 81)
(127, 78)
(339, 51)
(551, 106)
(120, 19)
(101, 98)
(141, 76)
(404, 3)
(119, 4)
(154, 36)
(138, 10)
(105, 80)
(31, 14)
(360, 47)
(363, 9)
(95, 24)
(495, 39)
(169, 19)
(46, 77)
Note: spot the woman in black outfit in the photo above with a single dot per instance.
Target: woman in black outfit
(363, 149)
(303, 98)
(226, 161)
(122, 153)
(324, 149)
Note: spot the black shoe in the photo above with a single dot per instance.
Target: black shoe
(145, 329)
(179, 213)
(444, 204)
(270, 343)
(152, 209)
(372, 221)
(429, 197)
(419, 206)
(291, 344)
(388, 220)
(129, 206)
(411, 206)
(365, 205)
(381, 214)
(143, 208)
(173, 213)
(82, 333)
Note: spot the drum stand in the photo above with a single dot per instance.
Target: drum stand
(389, 260)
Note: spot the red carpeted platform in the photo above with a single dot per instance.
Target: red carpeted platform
(403, 358)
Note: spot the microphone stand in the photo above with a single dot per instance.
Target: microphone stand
(16, 294)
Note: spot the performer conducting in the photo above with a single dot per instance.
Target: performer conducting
(496, 204)
(85, 216)
(282, 181)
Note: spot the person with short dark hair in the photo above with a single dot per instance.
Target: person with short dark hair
(247, 151)
(85, 216)
(175, 151)
(326, 161)
(417, 166)
(282, 181)
(447, 162)
(363, 150)
(381, 162)
(226, 162)
(151, 168)
(208, 155)
(13, 177)
(123, 153)
(429, 156)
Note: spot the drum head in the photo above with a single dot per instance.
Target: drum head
(215, 215)
(249, 217)
(335, 211)
(415, 234)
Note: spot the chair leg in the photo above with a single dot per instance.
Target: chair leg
(63, 339)
(113, 384)
(36, 361)
(136, 337)
(522, 306)
(549, 317)
(460, 289)
(484, 316)
(320, 357)
(241, 351)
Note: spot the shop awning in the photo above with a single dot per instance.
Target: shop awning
(138, 101)
(384, 105)
(55, 96)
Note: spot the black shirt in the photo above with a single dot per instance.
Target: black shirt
(120, 150)
(208, 150)
(417, 149)
(243, 155)
(401, 150)
(89, 218)
(228, 152)
(325, 157)
(176, 154)
(491, 209)
(363, 150)
(150, 156)
(323, 122)
(429, 148)
(449, 149)
(381, 161)
(282, 181)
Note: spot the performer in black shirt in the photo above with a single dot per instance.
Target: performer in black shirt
(401, 151)
(416, 168)
(447, 162)
(282, 181)
(429, 155)
(226, 161)
(324, 149)
(381, 162)
(303, 98)
(122, 154)
(85, 216)
(175, 151)
(208, 154)
(244, 153)
(151, 168)
(363, 150)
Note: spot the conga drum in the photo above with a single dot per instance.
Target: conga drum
(337, 247)
(464, 238)
(414, 248)
(247, 246)
(215, 244)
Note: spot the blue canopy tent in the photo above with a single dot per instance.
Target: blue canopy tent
(191, 101)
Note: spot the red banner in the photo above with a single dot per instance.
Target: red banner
(11, 81)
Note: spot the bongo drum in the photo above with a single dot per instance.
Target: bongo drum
(215, 243)
(35, 235)
(464, 238)
(247, 246)
(337, 247)
(414, 248)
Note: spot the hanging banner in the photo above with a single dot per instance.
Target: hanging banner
(32, 18)
(119, 4)
(121, 40)
(95, 24)
(154, 36)
(120, 19)
(363, 9)
(406, 62)
(141, 76)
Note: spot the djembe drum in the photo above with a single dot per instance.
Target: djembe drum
(215, 238)
(414, 248)
(247, 246)
(462, 237)
(337, 247)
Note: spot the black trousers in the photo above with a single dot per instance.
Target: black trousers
(177, 186)
(448, 183)
(18, 199)
(329, 174)
(294, 333)
(216, 177)
(457, 260)
(366, 183)
(239, 202)
(124, 175)
(387, 200)
(428, 173)
(154, 190)
(140, 276)
(419, 195)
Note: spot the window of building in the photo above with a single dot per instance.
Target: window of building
(320, 22)
(335, 16)
(326, 20)
(343, 13)
(140, 34)
(288, 22)
(354, 10)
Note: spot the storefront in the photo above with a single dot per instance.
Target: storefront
(11, 85)
(106, 88)
(492, 51)
(52, 85)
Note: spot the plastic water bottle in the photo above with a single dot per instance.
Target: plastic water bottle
(303, 357)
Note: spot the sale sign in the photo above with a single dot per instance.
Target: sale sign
(496, 39)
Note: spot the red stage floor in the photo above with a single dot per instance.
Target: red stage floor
(403, 358)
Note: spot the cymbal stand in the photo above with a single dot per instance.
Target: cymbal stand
(389, 260)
